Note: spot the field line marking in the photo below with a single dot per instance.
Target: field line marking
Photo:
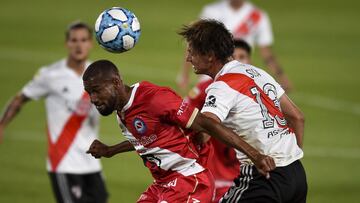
(327, 103)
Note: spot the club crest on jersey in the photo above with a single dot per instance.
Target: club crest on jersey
(139, 125)
(210, 101)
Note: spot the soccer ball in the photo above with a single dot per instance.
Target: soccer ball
(117, 29)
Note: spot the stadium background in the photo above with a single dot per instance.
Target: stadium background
(315, 41)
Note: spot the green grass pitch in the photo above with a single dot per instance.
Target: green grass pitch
(317, 43)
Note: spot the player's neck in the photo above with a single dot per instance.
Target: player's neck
(121, 104)
(76, 65)
(216, 68)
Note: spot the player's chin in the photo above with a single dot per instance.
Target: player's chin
(105, 111)
(197, 71)
(80, 56)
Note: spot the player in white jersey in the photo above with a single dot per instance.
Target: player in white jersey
(249, 101)
(245, 21)
(72, 121)
(159, 125)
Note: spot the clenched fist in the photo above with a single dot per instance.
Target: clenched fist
(264, 164)
(98, 149)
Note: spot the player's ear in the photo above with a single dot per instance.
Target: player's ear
(117, 82)
(211, 57)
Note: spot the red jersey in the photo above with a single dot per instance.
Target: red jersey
(155, 121)
(224, 165)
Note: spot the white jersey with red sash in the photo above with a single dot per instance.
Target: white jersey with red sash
(72, 121)
(246, 99)
(248, 23)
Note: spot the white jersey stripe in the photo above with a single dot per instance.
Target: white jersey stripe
(192, 118)
(169, 160)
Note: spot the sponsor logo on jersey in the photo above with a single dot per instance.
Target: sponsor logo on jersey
(183, 107)
(210, 101)
(139, 125)
(144, 140)
(170, 184)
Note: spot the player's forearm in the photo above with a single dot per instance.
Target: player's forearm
(183, 77)
(228, 137)
(122, 147)
(297, 124)
(271, 62)
(12, 109)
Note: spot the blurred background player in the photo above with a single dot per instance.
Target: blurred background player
(157, 124)
(247, 22)
(223, 163)
(72, 121)
(250, 102)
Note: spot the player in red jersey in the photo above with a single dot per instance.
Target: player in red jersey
(157, 124)
(224, 165)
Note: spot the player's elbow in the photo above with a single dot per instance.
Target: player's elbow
(299, 117)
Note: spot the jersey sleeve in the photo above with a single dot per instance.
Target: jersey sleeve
(171, 108)
(220, 99)
(208, 12)
(264, 36)
(38, 87)
(270, 80)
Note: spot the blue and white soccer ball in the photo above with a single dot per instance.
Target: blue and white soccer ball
(117, 29)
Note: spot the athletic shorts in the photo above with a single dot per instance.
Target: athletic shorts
(197, 188)
(78, 188)
(286, 185)
(219, 192)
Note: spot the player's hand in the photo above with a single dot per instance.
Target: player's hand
(264, 165)
(98, 149)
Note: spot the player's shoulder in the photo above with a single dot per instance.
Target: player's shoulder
(53, 68)
(216, 5)
(213, 10)
(253, 8)
(153, 91)
(50, 70)
(145, 87)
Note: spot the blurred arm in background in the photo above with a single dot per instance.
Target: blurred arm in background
(11, 110)
(183, 78)
(271, 62)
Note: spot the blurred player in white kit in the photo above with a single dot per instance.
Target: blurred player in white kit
(245, 21)
(72, 121)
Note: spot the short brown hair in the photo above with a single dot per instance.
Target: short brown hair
(77, 25)
(242, 44)
(209, 36)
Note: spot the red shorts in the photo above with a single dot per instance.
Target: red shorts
(183, 189)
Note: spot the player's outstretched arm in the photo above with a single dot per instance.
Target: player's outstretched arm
(211, 125)
(183, 78)
(98, 149)
(275, 68)
(294, 117)
(11, 110)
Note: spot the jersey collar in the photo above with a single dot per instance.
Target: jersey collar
(132, 96)
(225, 69)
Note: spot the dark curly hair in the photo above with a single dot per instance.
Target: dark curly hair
(209, 36)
